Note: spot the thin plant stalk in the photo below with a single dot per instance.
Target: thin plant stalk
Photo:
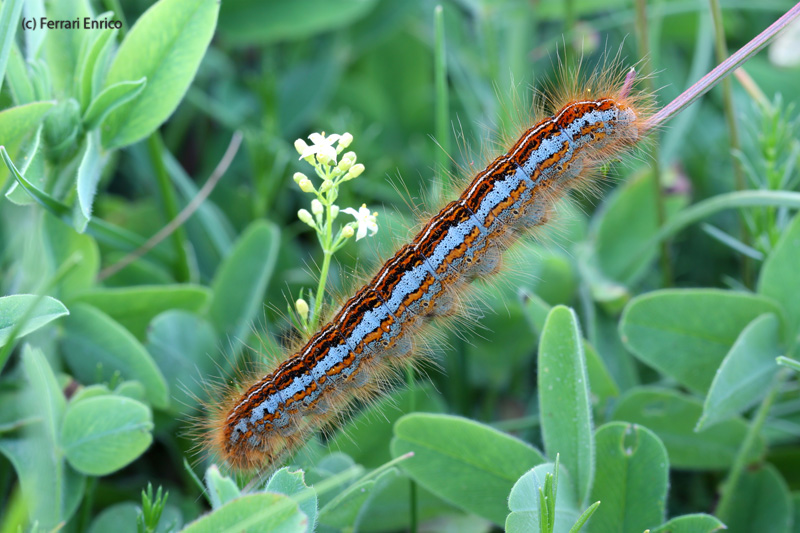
(704, 84)
(733, 131)
(155, 148)
(643, 45)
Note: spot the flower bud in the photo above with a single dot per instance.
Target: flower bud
(306, 217)
(334, 211)
(306, 185)
(355, 171)
(348, 231)
(316, 207)
(326, 186)
(298, 176)
(301, 146)
(345, 140)
(323, 158)
(301, 306)
(347, 161)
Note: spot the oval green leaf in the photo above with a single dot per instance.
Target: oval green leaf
(96, 347)
(29, 312)
(469, 464)
(239, 284)
(525, 504)
(564, 408)
(253, 513)
(779, 279)
(691, 523)
(135, 307)
(184, 346)
(745, 373)
(685, 334)
(761, 502)
(100, 435)
(631, 479)
(165, 46)
(672, 416)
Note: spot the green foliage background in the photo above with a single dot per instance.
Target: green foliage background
(652, 377)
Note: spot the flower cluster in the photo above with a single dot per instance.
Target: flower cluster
(334, 168)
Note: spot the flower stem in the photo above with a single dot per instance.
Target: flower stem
(740, 461)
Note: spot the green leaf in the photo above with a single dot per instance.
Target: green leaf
(121, 518)
(601, 384)
(685, 334)
(91, 65)
(761, 502)
(29, 153)
(631, 479)
(111, 98)
(135, 307)
(255, 513)
(16, 309)
(364, 438)
(165, 46)
(62, 243)
(184, 346)
(779, 279)
(17, 121)
(624, 250)
(50, 487)
(347, 508)
(691, 523)
(524, 501)
(251, 22)
(19, 82)
(221, 489)
(103, 434)
(96, 347)
(10, 12)
(672, 416)
(745, 373)
(89, 172)
(62, 47)
(564, 408)
(293, 484)
(464, 462)
(240, 281)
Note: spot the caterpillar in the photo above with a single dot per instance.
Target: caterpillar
(372, 334)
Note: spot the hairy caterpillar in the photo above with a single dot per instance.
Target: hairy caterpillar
(373, 333)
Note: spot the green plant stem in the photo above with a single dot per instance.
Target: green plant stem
(412, 489)
(442, 106)
(643, 42)
(155, 148)
(327, 254)
(733, 132)
(740, 461)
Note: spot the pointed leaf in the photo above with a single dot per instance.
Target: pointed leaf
(469, 464)
(17, 308)
(564, 408)
(779, 279)
(685, 334)
(745, 373)
(165, 46)
(111, 98)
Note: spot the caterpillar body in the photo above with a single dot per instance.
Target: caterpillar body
(372, 334)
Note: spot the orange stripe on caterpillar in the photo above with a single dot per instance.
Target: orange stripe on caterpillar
(372, 333)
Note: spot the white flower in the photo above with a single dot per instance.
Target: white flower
(322, 146)
(365, 221)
